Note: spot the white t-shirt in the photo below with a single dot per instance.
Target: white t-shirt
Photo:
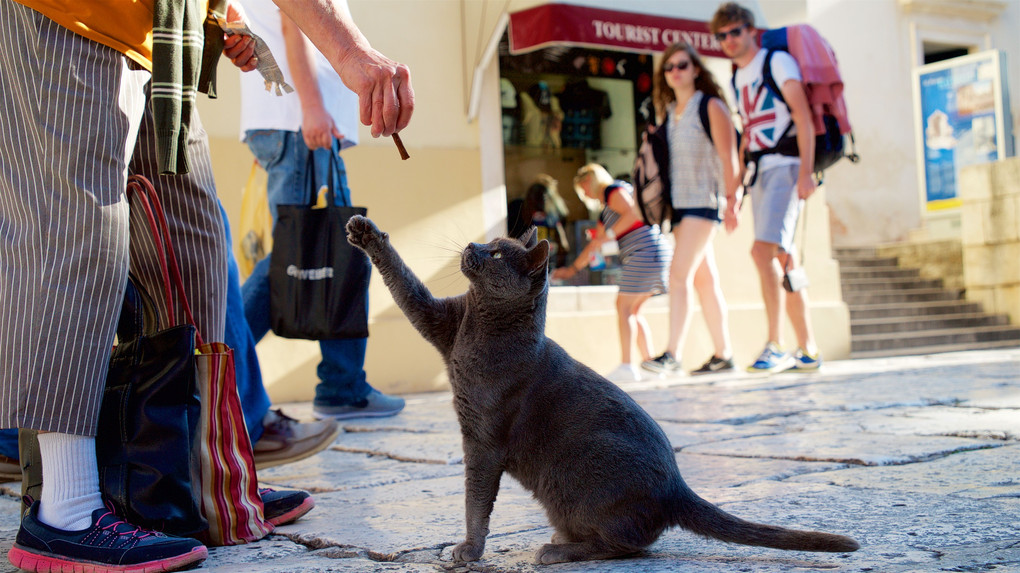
(262, 109)
(765, 116)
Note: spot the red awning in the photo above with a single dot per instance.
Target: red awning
(568, 24)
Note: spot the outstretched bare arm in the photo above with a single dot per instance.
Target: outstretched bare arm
(383, 85)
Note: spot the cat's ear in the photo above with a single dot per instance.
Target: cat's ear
(530, 237)
(538, 257)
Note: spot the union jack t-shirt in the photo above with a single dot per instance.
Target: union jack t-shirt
(765, 116)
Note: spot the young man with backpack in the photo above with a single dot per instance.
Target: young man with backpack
(781, 182)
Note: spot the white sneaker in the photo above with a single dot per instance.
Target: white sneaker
(625, 373)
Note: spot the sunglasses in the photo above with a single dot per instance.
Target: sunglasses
(678, 66)
(734, 33)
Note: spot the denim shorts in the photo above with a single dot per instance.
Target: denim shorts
(703, 213)
(776, 206)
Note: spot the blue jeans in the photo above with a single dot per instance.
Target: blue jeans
(9, 443)
(237, 335)
(284, 156)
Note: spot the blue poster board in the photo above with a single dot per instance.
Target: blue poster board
(964, 120)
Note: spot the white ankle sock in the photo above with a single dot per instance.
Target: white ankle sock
(70, 490)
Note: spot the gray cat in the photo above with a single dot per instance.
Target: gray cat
(600, 466)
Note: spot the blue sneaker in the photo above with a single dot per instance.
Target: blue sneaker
(109, 545)
(375, 405)
(772, 359)
(805, 361)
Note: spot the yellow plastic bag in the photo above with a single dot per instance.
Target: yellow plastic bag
(254, 236)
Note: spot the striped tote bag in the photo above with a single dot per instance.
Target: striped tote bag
(229, 487)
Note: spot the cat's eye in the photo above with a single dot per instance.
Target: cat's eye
(497, 255)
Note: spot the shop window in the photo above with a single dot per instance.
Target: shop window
(564, 107)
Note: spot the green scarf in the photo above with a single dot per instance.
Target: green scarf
(186, 47)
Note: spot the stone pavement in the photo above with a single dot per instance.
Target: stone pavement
(918, 458)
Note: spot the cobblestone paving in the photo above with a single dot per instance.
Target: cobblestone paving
(918, 458)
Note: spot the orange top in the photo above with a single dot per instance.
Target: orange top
(124, 25)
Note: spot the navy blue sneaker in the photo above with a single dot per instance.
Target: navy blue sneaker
(285, 506)
(110, 545)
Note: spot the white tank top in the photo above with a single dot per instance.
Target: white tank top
(695, 171)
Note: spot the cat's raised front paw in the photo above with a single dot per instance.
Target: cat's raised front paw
(361, 232)
(468, 551)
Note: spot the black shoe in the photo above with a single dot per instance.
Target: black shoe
(664, 364)
(285, 506)
(715, 364)
(108, 546)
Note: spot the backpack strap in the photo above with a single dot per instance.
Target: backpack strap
(703, 113)
(769, 80)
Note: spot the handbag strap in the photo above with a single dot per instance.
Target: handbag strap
(169, 269)
(334, 167)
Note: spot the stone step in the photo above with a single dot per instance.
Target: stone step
(934, 349)
(854, 252)
(943, 337)
(851, 286)
(898, 296)
(911, 309)
(859, 262)
(913, 324)
(856, 273)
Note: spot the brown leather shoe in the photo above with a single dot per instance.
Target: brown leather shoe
(285, 440)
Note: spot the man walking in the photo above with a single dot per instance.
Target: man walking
(781, 182)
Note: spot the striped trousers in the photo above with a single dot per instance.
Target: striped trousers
(74, 123)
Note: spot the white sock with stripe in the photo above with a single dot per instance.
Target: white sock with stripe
(70, 490)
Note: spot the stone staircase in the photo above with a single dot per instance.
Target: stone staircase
(895, 312)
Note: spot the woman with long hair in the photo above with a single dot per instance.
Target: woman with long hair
(644, 258)
(705, 190)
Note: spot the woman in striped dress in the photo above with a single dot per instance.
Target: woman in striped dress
(704, 184)
(644, 257)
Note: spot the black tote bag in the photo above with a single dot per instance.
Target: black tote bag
(148, 421)
(318, 281)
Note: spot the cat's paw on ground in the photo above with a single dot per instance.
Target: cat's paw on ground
(468, 551)
(361, 232)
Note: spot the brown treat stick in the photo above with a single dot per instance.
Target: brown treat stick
(400, 146)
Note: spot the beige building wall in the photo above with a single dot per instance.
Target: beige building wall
(879, 44)
(991, 236)
(451, 192)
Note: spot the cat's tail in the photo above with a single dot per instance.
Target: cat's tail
(703, 518)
